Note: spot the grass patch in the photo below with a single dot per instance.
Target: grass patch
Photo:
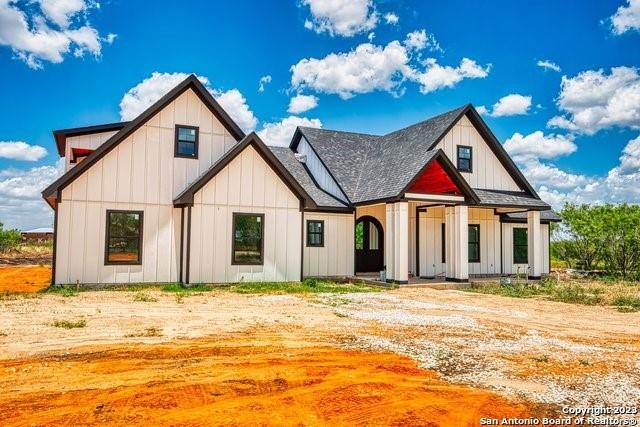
(549, 288)
(147, 333)
(63, 290)
(142, 297)
(12, 296)
(309, 286)
(627, 303)
(70, 324)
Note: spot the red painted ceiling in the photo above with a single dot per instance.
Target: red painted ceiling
(434, 180)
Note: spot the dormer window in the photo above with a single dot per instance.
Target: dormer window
(465, 158)
(186, 142)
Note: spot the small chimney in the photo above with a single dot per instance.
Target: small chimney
(302, 158)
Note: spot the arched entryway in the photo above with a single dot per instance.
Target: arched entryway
(369, 245)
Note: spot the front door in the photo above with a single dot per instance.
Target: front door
(369, 245)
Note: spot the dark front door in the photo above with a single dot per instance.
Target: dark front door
(369, 245)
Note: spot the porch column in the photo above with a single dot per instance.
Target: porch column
(389, 252)
(534, 241)
(457, 245)
(401, 244)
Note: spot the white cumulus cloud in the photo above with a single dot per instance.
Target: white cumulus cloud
(420, 39)
(19, 150)
(626, 18)
(264, 80)
(436, 76)
(511, 105)
(369, 67)
(537, 145)
(144, 94)
(49, 30)
(280, 133)
(548, 65)
(341, 17)
(301, 103)
(21, 205)
(391, 18)
(594, 100)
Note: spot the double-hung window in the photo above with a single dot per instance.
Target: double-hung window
(465, 158)
(186, 144)
(520, 246)
(315, 233)
(474, 243)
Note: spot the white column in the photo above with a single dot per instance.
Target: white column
(534, 240)
(449, 231)
(462, 235)
(389, 252)
(401, 244)
(457, 245)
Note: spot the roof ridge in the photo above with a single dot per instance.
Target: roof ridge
(339, 131)
(456, 110)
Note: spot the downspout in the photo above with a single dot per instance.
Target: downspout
(302, 243)
(417, 241)
(188, 244)
(181, 243)
(55, 242)
(501, 254)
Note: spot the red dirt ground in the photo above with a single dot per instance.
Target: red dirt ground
(28, 278)
(236, 381)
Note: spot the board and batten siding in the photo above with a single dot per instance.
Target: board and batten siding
(89, 142)
(140, 173)
(488, 173)
(319, 171)
(246, 185)
(336, 257)
(507, 255)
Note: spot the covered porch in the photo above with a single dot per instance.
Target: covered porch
(437, 238)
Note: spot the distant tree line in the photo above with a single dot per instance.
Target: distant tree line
(600, 237)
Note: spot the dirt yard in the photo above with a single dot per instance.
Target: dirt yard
(401, 357)
(25, 278)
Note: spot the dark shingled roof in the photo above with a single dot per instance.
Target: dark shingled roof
(286, 156)
(544, 216)
(370, 167)
(509, 198)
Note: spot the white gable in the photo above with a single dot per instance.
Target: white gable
(488, 172)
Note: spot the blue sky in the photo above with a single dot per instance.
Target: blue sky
(69, 63)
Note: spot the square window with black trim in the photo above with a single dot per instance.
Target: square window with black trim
(520, 246)
(248, 239)
(474, 243)
(315, 233)
(123, 242)
(186, 142)
(465, 158)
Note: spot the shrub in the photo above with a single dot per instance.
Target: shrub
(70, 324)
(9, 239)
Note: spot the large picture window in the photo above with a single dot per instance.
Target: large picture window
(186, 142)
(465, 158)
(248, 239)
(315, 233)
(474, 243)
(123, 242)
(520, 246)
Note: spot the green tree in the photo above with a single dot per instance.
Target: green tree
(583, 226)
(9, 239)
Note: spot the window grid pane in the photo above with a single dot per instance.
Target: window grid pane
(315, 233)
(186, 142)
